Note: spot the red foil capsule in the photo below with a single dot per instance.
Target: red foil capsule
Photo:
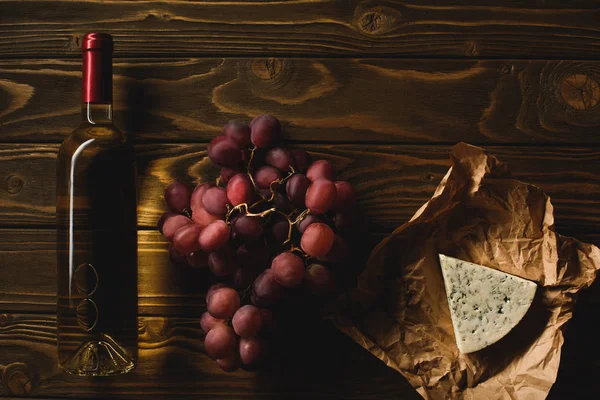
(97, 68)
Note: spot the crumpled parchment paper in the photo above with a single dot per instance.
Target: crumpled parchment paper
(481, 214)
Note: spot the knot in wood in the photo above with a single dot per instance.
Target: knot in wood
(267, 69)
(377, 21)
(4, 319)
(580, 91)
(17, 379)
(14, 184)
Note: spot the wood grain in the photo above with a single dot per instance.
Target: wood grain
(392, 181)
(491, 28)
(173, 364)
(324, 100)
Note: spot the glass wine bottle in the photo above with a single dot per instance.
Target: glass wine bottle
(97, 231)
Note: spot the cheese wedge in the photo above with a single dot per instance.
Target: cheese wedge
(485, 304)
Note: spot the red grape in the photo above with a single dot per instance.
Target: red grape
(339, 250)
(197, 194)
(240, 190)
(214, 236)
(248, 228)
(268, 322)
(230, 363)
(280, 158)
(317, 239)
(220, 341)
(163, 218)
(177, 196)
(215, 201)
(264, 176)
(207, 322)
(282, 203)
(243, 277)
(175, 256)
(253, 255)
(173, 223)
(320, 169)
(320, 196)
(301, 160)
(265, 131)
(288, 269)
(319, 279)
(213, 289)
(266, 289)
(343, 222)
(223, 303)
(345, 196)
(228, 173)
(239, 132)
(203, 217)
(224, 151)
(296, 189)
(279, 232)
(309, 219)
(186, 238)
(252, 350)
(222, 262)
(198, 259)
(247, 321)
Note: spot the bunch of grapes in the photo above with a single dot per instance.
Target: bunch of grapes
(272, 225)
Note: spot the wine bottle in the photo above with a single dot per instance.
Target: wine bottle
(97, 231)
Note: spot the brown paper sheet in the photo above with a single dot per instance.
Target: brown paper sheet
(478, 213)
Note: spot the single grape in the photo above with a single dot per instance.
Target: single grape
(163, 218)
(252, 350)
(317, 239)
(175, 256)
(253, 255)
(198, 259)
(279, 232)
(248, 228)
(245, 155)
(215, 201)
(265, 131)
(345, 196)
(320, 196)
(319, 279)
(230, 363)
(239, 132)
(223, 303)
(214, 236)
(339, 250)
(228, 173)
(240, 190)
(247, 321)
(172, 225)
(203, 217)
(280, 158)
(266, 290)
(268, 322)
(288, 269)
(185, 239)
(282, 203)
(301, 160)
(207, 322)
(213, 289)
(343, 222)
(224, 152)
(177, 196)
(296, 188)
(253, 119)
(223, 261)
(220, 341)
(197, 194)
(309, 219)
(320, 169)
(243, 277)
(264, 176)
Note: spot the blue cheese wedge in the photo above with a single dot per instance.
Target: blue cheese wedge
(485, 304)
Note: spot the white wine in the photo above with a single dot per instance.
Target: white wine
(97, 231)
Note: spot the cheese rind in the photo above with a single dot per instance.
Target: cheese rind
(485, 304)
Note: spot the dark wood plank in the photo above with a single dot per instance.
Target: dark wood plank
(393, 181)
(318, 363)
(326, 27)
(325, 100)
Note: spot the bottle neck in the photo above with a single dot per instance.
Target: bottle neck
(97, 86)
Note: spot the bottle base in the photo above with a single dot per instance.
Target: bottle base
(99, 358)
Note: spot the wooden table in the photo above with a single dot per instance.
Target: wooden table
(381, 88)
